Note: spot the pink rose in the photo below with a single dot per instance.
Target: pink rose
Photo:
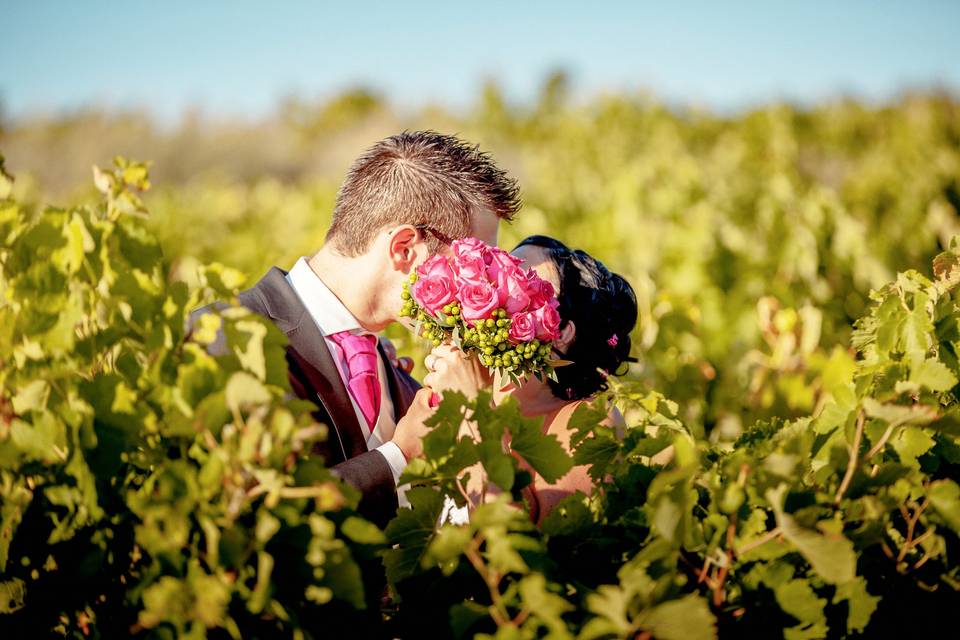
(470, 249)
(548, 321)
(471, 257)
(477, 301)
(523, 328)
(512, 289)
(540, 291)
(435, 285)
(435, 266)
(503, 258)
(500, 260)
(470, 270)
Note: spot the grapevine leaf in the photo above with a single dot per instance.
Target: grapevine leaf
(542, 451)
(946, 269)
(410, 533)
(944, 495)
(243, 390)
(31, 397)
(363, 532)
(797, 598)
(12, 595)
(860, 603)
(688, 618)
(831, 556)
(548, 607)
(897, 415)
(933, 375)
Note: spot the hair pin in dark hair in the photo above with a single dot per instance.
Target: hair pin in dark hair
(613, 340)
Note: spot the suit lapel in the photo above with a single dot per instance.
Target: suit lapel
(284, 306)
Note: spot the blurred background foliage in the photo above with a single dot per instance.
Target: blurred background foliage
(752, 239)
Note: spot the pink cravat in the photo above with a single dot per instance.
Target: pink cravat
(360, 352)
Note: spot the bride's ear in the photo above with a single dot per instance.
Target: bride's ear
(404, 246)
(567, 335)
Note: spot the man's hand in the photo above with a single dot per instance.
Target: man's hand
(405, 364)
(411, 429)
(450, 370)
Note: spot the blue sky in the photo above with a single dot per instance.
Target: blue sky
(239, 58)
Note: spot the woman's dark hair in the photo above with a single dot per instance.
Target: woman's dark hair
(602, 307)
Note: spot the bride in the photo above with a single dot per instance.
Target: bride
(598, 310)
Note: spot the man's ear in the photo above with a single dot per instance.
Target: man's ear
(567, 334)
(405, 246)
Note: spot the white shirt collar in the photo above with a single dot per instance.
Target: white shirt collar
(323, 306)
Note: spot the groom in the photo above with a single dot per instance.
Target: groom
(406, 198)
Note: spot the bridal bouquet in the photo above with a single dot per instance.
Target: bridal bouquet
(484, 303)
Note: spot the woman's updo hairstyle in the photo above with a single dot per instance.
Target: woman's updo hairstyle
(602, 307)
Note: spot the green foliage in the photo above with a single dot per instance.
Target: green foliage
(795, 471)
(149, 487)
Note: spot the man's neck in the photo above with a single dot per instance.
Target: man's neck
(349, 279)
